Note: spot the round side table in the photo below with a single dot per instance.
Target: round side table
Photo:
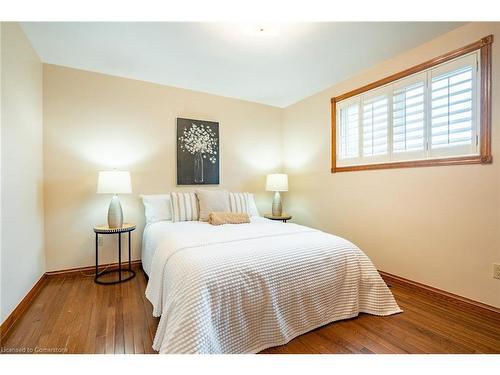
(104, 229)
(284, 217)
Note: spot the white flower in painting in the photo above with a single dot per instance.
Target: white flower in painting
(200, 139)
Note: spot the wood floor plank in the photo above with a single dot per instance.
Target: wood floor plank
(119, 330)
(100, 332)
(80, 323)
(128, 332)
(150, 322)
(136, 317)
(452, 316)
(29, 322)
(449, 323)
(17, 337)
(385, 345)
(110, 320)
(349, 331)
(73, 314)
(68, 315)
(54, 309)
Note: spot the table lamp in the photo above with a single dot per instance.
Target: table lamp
(114, 182)
(277, 183)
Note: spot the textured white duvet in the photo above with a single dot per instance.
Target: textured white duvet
(243, 288)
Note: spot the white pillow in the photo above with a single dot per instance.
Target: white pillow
(157, 207)
(212, 201)
(238, 202)
(243, 203)
(252, 207)
(184, 207)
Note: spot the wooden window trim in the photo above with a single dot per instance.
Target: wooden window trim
(485, 157)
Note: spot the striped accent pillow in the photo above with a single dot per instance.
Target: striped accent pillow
(184, 207)
(238, 202)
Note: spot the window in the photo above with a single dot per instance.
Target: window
(437, 113)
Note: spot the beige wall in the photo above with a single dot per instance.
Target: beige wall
(437, 225)
(97, 122)
(22, 252)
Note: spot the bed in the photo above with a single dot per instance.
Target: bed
(243, 288)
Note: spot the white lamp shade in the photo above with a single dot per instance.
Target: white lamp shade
(114, 182)
(277, 182)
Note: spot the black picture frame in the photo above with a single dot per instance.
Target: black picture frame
(198, 156)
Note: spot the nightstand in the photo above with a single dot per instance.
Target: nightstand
(104, 229)
(284, 217)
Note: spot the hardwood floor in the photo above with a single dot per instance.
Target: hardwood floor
(72, 314)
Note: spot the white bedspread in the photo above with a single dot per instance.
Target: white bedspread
(243, 288)
(153, 235)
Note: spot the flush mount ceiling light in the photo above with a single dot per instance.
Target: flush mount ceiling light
(261, 30)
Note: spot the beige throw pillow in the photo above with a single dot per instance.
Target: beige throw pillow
(219, 218)
(212, 201)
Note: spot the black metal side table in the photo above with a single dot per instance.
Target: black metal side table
(104, 229)
(284, 217)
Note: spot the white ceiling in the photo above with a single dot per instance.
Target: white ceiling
(279, 66)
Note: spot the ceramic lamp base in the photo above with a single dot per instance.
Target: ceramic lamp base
(115, 213)
(277, 208)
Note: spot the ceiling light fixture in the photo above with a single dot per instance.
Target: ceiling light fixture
(261, 30)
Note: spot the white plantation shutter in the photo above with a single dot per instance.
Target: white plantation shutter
(453, 96)
(375, 125)
(431, 114)
(348, 131)
(408, 123)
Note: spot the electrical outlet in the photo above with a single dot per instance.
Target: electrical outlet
(496, 270)
(99, 241)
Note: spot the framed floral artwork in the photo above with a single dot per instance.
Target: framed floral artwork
(197, 152)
